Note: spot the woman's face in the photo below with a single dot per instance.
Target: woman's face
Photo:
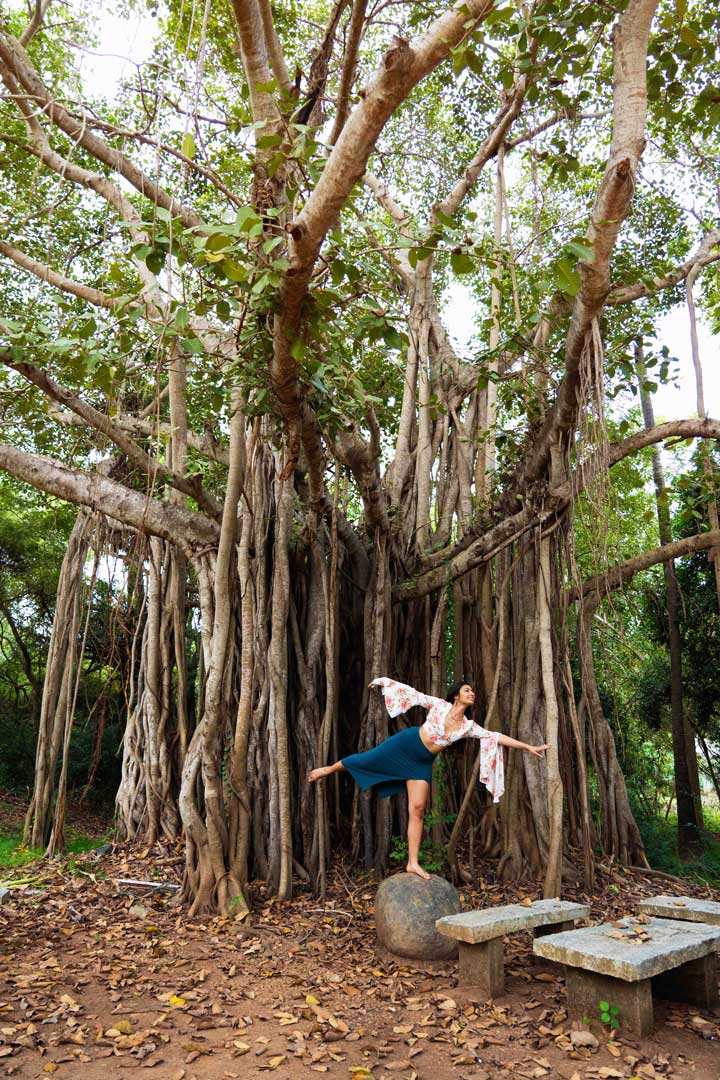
(466, 696)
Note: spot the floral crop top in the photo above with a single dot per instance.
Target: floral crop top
(399, 698)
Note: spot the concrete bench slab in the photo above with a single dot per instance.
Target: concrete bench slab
(476, 926)
(480, 934)
(623, 963)
(682, 907)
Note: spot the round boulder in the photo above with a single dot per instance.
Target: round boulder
(406, 909)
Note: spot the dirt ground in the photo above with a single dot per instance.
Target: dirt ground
(97, 978)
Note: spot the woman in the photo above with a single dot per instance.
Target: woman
(406, 759)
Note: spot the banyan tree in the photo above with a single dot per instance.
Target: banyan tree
(228, 335)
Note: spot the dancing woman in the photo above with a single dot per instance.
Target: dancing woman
(406, 759)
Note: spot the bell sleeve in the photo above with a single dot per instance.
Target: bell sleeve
(492, 766)
(399, 697)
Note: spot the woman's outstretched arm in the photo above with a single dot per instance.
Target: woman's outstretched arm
(538, 751)
(477, 732)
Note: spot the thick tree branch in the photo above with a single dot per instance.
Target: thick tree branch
(403, 66)
(255, 59)
(614, 577)
(357, 19)
(707, 252)
(673, 429)
(187, 528)
(481, 549)
(311, 110)
(65, 284)
(612, 204)
(274, 49)
(35, 23)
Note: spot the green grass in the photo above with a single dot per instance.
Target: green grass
(660, 839)
(12, 853)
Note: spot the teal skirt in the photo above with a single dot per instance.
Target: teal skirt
(387, 767)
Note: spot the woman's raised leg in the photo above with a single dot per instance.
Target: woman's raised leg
(326, 770)
(418, 792)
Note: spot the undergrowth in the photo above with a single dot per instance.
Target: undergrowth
(660, 839)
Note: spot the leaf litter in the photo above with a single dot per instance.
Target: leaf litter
(93, 986)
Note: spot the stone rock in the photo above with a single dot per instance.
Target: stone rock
(406, 910)
(138, 911)
(584, 1038)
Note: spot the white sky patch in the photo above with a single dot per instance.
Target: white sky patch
(123, 43)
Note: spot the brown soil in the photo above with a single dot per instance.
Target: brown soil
(93, 985)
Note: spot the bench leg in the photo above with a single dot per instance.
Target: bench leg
(481, 965)
(694, 982)
(633, 1000)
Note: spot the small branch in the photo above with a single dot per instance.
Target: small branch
(153, 468)
(52, 277)
(556, 118)
(504, 119)
(16, 62)
(201, 444)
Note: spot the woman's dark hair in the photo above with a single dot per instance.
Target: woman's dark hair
(454, 690)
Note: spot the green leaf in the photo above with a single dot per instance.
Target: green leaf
(182, 318)
(265, 141)
(188, 147)
(218, 241)
(247, 217)
(581, 250)
(233, 270)
(567, 277)
(87, 329)
(192, 345)
(392, 338)
(298, 349)
(267, 87)
(604, 1006)
(461, 262)
(689, 37)
(155, 261)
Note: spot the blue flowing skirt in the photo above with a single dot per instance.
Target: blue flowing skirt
(386, 767)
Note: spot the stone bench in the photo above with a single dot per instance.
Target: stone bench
(622, 963)
(687, 908)
(480, 934)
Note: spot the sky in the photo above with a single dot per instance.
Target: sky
(107, 65)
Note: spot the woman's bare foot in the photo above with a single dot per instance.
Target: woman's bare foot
(415, 868)
(317, 774)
